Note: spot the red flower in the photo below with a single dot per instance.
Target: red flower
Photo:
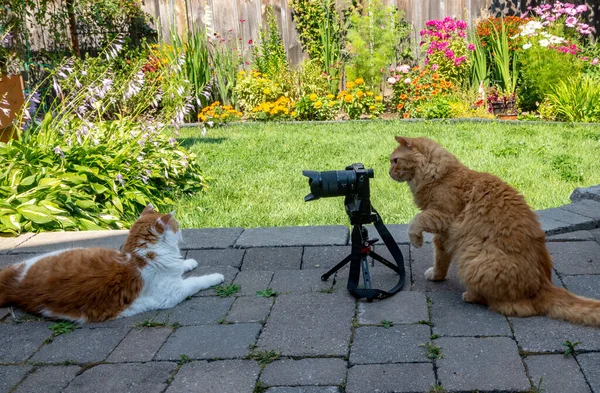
(250, 42)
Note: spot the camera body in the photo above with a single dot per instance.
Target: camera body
(352, 183)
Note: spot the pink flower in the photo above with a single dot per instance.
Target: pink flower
(391, 80)
(449, 54)
(595, 61)
(581, 8)
(571, 21)
(471, 47)
(408, 80)
(435, 67)
(250, 42)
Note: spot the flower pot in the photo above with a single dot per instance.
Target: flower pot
(11, 91)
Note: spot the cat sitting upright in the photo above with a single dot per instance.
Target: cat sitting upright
(96, 284)
(488, 230)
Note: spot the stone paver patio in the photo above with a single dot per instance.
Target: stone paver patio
(323, 341)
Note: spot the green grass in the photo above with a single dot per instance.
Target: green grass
(255, 169)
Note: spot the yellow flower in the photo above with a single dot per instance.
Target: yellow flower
(313, 97)
(242, 73)
(360, 94)
(350, 85)
(294, 114)
(370, 93)
(216, 116)
(348, 98)
(318, 104)
(267, 91)
(330, 96)
(359, 81)
(378, 98)
(331, 103)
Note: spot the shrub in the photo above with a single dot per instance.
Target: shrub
(316, 107)
(217, 114)
(254, 87)
(71, 168)
(309, 16)
(359, 102)
(280, 109)
(269, 55)
(447, 48)
(436, 108)
(371, 43)
(576, 99)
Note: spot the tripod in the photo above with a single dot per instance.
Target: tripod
(362, 247)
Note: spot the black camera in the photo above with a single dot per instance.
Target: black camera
(354, 180)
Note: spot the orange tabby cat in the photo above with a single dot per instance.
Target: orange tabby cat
(96, 284)
(485, 227)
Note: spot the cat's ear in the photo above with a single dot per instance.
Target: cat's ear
(148, 209)
(404, 142)
(163, 222)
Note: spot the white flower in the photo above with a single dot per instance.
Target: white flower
(407, 80)
(556, 40)
(391, 80)
(544, 42)
(527, 45)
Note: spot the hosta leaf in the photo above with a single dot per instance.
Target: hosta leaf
(52, 207)
(99, 188)
(89, 225)
(86, 204)
(74, 178)
(10, 224)
(37, 214)
(117, 203)
(109, 218)
(66, 222)
(49, 181)
(28, 180)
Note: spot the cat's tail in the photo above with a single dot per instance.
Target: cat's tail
(558, 303)
(8, 282)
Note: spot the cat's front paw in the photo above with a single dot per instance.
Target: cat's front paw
(216, 279)
(416, 239)
(431, 275)
(190, 264)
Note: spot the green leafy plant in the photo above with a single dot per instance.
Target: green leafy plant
(264, 357)
(567, 168)
(371, 40)
(576, 99)
(268, 292)
(437, 388)
(254, 87)
(505, 61)
(479, 64)
(309, 16)
(226, 61)
(437, 108)
(387, 324)
(183, 359)
(330, 32)
(59, 328)
(315, 107)
(269, 55)
(570, 347)
(149, 323)
(432, 351)
(226, 290)
(538, 388)
(360, 102)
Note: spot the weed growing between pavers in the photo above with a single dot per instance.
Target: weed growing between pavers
(538, 388)
(570, 347)
(148, 323)
(60, 328)
(226, 290)
(437, 388)
(183, 359)
(268, 292)
(387, 324)
(264, 357)
(260, 388)
(432, 351)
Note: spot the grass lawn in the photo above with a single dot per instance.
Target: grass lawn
(255, 169)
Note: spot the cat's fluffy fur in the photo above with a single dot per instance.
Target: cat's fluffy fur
(488, 230)
(95, 284)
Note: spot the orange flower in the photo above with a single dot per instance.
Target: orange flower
(400, 106)
(435, 76)
(434, 92)
(403, 97)
(406, 115)
(348, 98)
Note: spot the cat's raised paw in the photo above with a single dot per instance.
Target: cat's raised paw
(431, 275)
(416, 239)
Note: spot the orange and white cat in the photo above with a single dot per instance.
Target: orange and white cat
(488, 230)
(96, 284)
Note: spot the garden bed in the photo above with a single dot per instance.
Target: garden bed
(255, 169)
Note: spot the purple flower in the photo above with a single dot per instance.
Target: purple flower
(119, 178)
(172, 141)
(435, 67)
(571, 21)
(144, 179)
(449, 54)
(58, 151)
(581, 8)
(471, 47)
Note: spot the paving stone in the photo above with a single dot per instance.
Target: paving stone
(229, 376)
(290, 372)
(294, 236)
(576, 221)
(421, 260)
(590, 365)
(310, 324)
(596, 234)
(396, 378)
(451, 316)
(250, 309)
(584, 207)
(197, 311)
(588, 286)
(324, 257)
(299, 281)
(81, 346)
(48, 379)
(273, 258)
(485, 364)
(551, 226)
(210, 342)
(397, 344)
(229, 272)
(4, 312)
(8, 243)
(592, 193)
(126, 377)
(19, 341)
(227, 257)
(10, 259)
(251, 281)
(53, 241)
(572, 236)
(129, 322)
(544, 335)
(304, 389)
(10, 376)
(558, 374)
(140, 345)
(403, 307)
(398, 231)
(209, 238)
(575, 257)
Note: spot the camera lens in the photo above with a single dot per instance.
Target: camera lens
(329, 184)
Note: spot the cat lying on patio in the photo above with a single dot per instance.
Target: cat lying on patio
(486, 227)
(96, 284)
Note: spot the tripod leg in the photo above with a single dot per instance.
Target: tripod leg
(366, 274)
(337, 267)
(384, 261)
